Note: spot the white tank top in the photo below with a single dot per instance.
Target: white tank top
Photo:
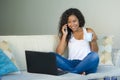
(79, 49)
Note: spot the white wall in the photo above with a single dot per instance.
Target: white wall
(19, 17)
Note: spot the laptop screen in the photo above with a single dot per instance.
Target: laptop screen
(41, 62)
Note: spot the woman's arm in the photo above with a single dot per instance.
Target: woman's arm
(93, 43)
(63, 43)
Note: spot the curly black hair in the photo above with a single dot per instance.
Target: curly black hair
(64, 20)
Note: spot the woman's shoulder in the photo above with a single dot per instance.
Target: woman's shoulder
(89, 29)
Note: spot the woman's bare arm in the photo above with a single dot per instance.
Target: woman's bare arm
(63, 43)
(93, 43)
(61, 46)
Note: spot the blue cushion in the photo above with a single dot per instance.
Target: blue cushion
(6, 65)
(0, 77)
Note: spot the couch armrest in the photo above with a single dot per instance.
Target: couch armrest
(116, 57)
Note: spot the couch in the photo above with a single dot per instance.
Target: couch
(20, 43)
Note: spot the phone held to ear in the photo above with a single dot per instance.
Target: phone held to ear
(65, 29)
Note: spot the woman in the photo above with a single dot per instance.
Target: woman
(81, 43)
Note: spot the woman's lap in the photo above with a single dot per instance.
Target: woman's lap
(88, 64)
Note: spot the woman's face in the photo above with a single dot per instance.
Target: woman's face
(73, 23)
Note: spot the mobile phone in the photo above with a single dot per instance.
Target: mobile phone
(66, 29)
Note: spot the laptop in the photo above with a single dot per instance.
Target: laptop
(42, 62)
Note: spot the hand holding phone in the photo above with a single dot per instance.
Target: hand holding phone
(64, 29)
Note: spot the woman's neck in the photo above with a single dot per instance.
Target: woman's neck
(78, 34)
(79, 30)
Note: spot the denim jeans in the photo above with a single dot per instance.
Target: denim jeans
(88, 65)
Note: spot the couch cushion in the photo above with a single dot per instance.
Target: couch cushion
(116, 57)
(102, 72)
(32, 76)
(105, 49)
(5, 47)
(6, 65)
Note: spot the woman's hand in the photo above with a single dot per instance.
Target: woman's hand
(64, 29)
